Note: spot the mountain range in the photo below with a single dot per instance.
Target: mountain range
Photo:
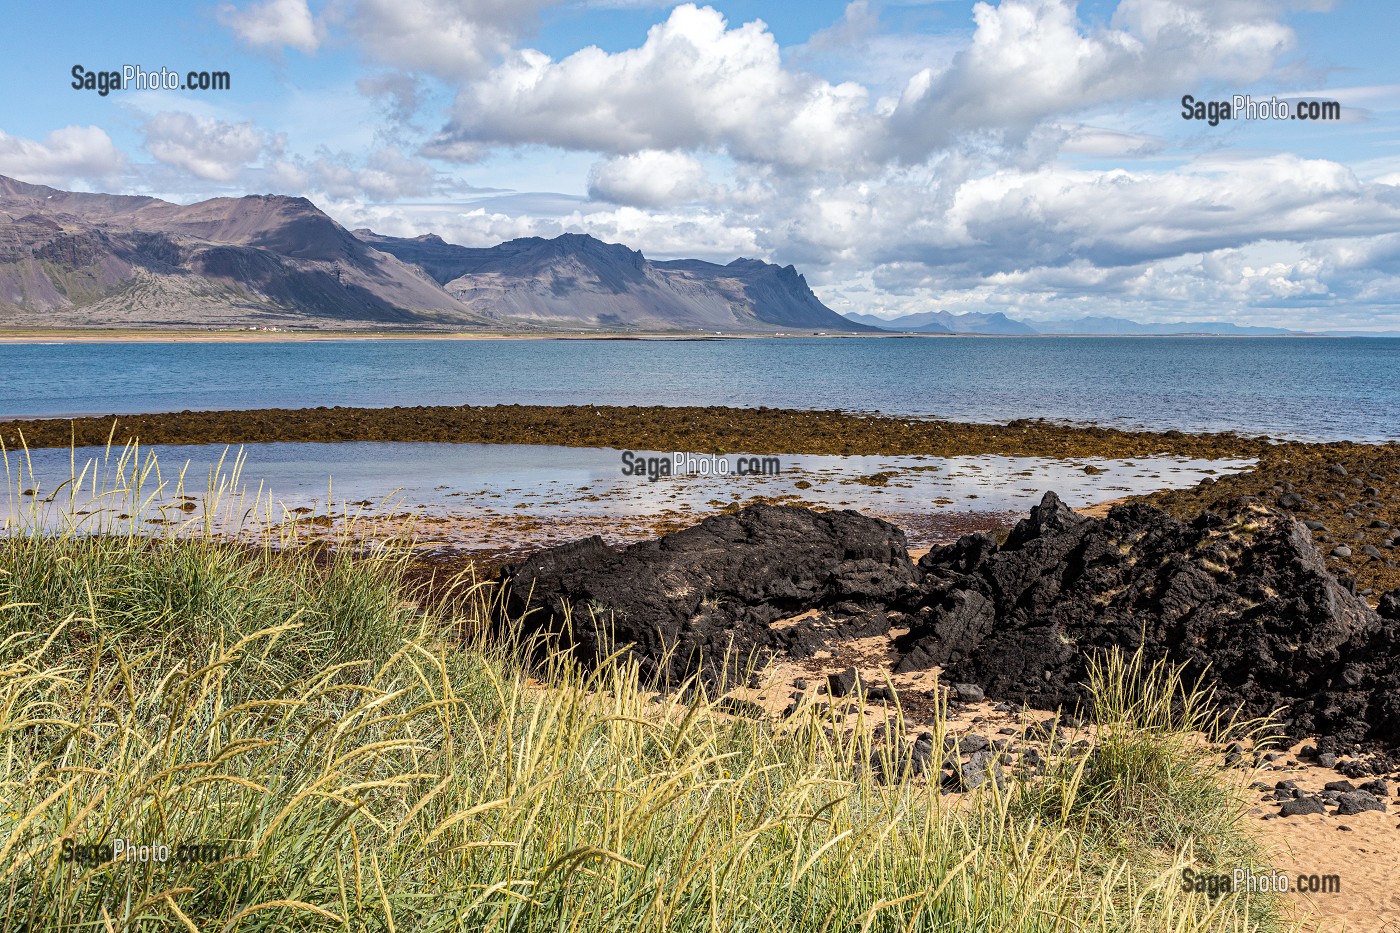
(971, 322)
(944, 322)
(74, 259)
(575, 278)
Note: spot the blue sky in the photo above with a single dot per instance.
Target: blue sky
(1024, 156)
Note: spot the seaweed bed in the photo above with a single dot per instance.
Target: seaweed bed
(654, 427)
(1352, 490)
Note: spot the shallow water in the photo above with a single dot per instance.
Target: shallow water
(1308, 388)
(503, 491)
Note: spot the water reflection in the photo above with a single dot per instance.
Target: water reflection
(483, 496)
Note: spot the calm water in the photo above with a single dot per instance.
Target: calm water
(1299, 387)
(520, 491)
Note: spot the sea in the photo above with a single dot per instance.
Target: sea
(1296, 388)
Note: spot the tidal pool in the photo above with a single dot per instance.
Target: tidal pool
(496, 496)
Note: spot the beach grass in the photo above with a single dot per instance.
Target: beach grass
(319, 746)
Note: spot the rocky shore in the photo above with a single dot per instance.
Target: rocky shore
(1242, 597)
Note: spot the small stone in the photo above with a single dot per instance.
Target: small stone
(881, 695)
(1358, 801)
(980, 768)
(1301, 806)
(967, 744)
(969, 693)
(842, 684)
(1341, 550)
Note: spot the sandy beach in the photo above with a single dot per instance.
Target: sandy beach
(286, 335)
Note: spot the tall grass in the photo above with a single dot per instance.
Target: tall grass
(347, 759)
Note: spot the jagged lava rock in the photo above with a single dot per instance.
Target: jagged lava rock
(704, 598)
(1245, 596)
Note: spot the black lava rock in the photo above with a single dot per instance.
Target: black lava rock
(980, 768)
(1358, 801)
(881, 694)
(703, 599)
(969, 693)
(1301, 806)
(967, 744)
(1378, 787)
(842, 684)
(1242, 599)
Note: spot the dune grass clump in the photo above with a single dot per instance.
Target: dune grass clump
(311, 746)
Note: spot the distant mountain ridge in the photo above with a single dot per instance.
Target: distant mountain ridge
(943, 322)
(74, 259)
(577, 279)
(1115, 326)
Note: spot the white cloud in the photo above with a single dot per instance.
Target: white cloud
(212, 149)
(1030, 60)
(694, 84)
(647, 179)
(387, 175)
(274, 23)
(451, 39)
(73, 153)
(1048, 217)
(400, 94)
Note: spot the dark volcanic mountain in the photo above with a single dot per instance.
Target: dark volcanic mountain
(73, 259)
(68, 258)
(575, 279)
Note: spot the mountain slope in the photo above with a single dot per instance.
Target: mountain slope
(71, 258)
(578, 280)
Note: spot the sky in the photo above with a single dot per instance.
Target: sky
(1024, 156)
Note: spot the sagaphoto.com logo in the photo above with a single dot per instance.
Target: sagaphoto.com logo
(1245, 107)
(135, 78)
